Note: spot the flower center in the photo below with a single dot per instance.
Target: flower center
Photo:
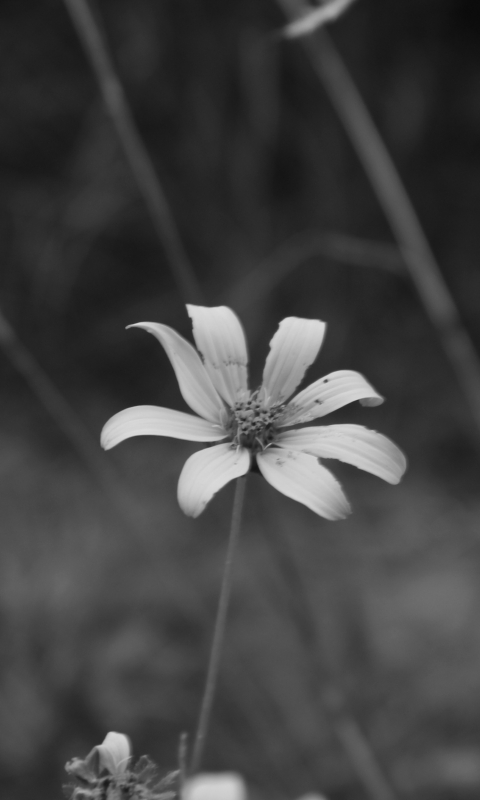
(252, 424)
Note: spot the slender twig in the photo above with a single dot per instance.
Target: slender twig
(134, 149)
(219, 631)
(328, 693)
(398, 209)
(256, 284)
(69, 423)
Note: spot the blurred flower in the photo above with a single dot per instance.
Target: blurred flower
(313, 18)
(254, 425)
(312, 796)
(224, 786)
(215, 786)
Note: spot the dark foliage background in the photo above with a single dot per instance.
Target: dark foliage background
(105, 627)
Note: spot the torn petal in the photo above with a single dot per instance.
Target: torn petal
(293, 349)
(220, 339)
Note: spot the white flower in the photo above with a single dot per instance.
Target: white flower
(215, 786)
(224, 786)
(259, 425)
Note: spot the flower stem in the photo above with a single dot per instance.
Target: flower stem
(332, 701)
(219, 632)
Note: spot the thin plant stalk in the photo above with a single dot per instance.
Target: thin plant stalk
(325, 688)
(256, 285)
(68, 421)
(135, 151)
(416, 251)
(219, 631)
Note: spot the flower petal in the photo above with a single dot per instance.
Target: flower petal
(156, 421)
(206, 472)
(195, 385)
(353, 444)
(211, 786)
(302, 478)
(293, 348)
(114, 753)
(327, 394)
(220, 339)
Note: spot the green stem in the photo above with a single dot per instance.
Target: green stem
(219, 632)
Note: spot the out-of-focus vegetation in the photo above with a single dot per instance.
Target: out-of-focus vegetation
(106, 627)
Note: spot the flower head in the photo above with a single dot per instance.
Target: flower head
(260, 425)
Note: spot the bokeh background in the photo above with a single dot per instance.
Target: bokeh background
(107, 598)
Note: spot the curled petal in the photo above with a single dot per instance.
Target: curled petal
(195, 385)
(302, 478)
(206, 472)
(156, 421)
(220, 786)
(220, 339)
(354, 444)
(114, 753)
(293, 349)
(327, 394)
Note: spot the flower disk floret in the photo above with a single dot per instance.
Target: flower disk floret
(260, 425)
(252, 425)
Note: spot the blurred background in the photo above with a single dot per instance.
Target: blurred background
(107, 598)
